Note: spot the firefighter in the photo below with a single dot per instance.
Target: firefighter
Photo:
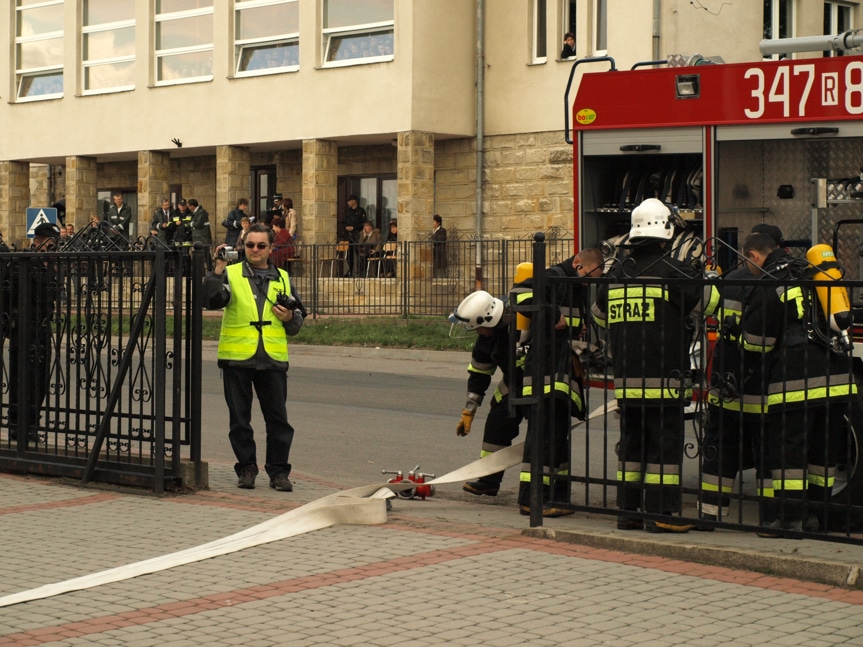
(488, 316)
(735, 401)
(647, 318)
(809, 386)
(562, 378)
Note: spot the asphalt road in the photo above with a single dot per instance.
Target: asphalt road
(358, 411)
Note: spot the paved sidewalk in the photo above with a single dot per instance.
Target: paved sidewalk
(452, 569)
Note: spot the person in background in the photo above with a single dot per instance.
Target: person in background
(290, 217)
(390, 249)
(439, 247)
(119, 216)
(232, 222)
(568, 45)
(283, 249)
(276, 211)
(369, 245)
(162, 221)
(355, 216)
(200, 224)
(260, 313)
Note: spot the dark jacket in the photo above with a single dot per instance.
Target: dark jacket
(201, 232)
(801, 370)
(232, 224)
(163, 223)
(488, 355)
(355, 218)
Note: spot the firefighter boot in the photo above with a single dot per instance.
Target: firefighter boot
(488, 485)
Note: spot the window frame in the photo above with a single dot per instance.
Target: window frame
(176, 51)
(87, 64)
(775, 7)
(599, 34)
(329, 34)
(834, 20)
(23, 74)
(241, 45)
(538, 32)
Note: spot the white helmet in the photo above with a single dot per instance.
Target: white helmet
(652, 219)
(478, 310)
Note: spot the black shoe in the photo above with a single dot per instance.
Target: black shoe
(246, 478)
(628, 523)
(661, 527)
(705, 527)
(775, 528)
(481, 487)
(282, 483)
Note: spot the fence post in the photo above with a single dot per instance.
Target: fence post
(538, 343)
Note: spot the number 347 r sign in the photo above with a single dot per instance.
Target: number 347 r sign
(811, 90)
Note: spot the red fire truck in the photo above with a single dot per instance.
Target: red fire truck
(731, 145)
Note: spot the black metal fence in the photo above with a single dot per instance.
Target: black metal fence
(409, 278)
(730, 449)
(97, 360)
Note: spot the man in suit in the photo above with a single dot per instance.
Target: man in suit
(162, 221)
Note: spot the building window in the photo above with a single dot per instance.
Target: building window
(778, 20)
(267, 36)
(837, 20)
(184, 41)
(38, 49)
(568, 14)
(600, 27)
(358, 31)
(108, 45)
(539, 23)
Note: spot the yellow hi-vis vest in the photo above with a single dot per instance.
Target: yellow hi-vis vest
(239, 336)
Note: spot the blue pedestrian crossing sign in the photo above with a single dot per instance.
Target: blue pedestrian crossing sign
(37, 215)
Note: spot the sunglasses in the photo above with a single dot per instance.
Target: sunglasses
(258, 245)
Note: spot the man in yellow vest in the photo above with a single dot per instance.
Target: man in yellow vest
(260, 313)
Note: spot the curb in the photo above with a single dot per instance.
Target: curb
(793, 566)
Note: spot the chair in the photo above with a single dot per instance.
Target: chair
(340, 257)
(390, 253)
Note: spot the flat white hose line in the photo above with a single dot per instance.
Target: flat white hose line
(364, 505)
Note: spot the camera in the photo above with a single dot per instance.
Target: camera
(286, 301)
(228, 254)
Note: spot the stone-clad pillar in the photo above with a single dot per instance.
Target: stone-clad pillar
(320, 190)
(81, 185)
(14, 200)
(154, 183)
(233, 166)
(416, 192)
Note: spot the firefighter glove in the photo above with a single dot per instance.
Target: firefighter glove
(463, 427)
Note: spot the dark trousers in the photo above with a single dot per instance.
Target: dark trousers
(651, 456)
(499, 432)
(271, 388)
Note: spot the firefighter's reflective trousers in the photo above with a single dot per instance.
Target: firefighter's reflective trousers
(650, 455)
(500, 430)
(554, 455)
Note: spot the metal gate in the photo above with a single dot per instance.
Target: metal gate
(100, 363)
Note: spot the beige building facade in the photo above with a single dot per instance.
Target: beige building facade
(453, 107)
